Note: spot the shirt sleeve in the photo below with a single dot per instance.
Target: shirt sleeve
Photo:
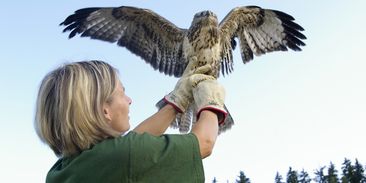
(167, 158)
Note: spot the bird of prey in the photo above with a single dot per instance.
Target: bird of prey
(168, 48)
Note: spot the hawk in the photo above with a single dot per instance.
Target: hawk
(168, 48)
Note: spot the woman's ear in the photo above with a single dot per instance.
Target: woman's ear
(106, 112)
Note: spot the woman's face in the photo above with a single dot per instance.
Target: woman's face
(117, 108)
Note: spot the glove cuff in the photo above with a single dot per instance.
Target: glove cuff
(169, 100)
(220, 112)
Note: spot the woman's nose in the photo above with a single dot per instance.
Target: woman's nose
(129, 100)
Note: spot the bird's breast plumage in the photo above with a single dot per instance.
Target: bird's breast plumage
(203, 43)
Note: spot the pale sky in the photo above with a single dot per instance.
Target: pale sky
(299, 109)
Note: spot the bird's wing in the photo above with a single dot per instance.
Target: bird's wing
(259, 31)
(143, 32)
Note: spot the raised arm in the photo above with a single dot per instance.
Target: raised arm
(158, 122)
(206, 130)
(209, 97)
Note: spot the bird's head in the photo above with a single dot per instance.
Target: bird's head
(205, 18)
(205, 14)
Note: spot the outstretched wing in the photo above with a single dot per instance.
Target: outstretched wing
(143, 32)
(259, 31)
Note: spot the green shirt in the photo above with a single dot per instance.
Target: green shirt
(134, 158)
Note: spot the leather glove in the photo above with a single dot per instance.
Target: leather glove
(210, 95)
(181, 96)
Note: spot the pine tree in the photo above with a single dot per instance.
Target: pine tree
(242, 178)
(358, 175)
(278, 178)
(332, 176)
(347, 171)
(292, 176)
(304, 177)
(319, 175)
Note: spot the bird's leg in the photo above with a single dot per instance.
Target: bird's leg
(192, 62)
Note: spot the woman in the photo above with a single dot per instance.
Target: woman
(82, 113)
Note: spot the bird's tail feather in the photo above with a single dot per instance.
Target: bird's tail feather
(228, 123)
(186, 119)
(160, 104)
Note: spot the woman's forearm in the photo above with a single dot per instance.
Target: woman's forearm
(206, 131)
(158, 122)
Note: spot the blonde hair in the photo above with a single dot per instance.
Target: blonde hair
(69, 112)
